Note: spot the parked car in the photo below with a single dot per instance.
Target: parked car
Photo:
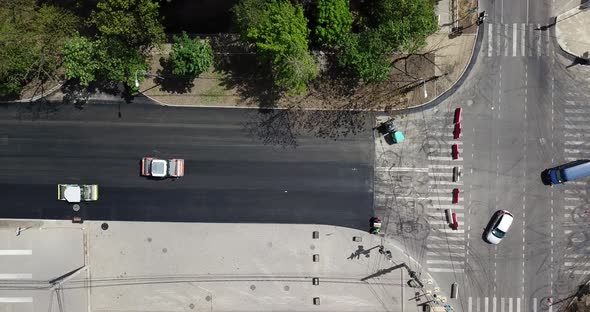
(455, 151)
(498, 226)
(457, 116)
(375, 225)
(74, 193)
(162, 168)
(457, 131)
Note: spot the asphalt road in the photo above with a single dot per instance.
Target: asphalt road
(231, 176)
(525, 109)
(516, 124)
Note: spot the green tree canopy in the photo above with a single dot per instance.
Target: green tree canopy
(279, 31)
(81, 60)
(190, 57)
(390, 26)
(135, 22)
(334, 21)
(364, 56)
(403, 24)
(31, 40)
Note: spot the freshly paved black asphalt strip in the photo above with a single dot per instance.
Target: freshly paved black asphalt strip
(230, 175)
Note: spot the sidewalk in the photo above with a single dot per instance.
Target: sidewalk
(571, 30)
(222, 267)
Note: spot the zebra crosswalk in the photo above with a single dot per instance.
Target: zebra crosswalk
(505, 304)
(576, 206)
(418, 188)
(516, 40)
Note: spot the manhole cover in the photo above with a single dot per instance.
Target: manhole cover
(104, 226)
(76, 207)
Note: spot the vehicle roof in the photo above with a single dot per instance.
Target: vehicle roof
(159, 168)
(505, 221)
(73, 193)
(580, 168)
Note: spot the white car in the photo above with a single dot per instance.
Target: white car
(74, 193)
(162, 168)
(498, 226)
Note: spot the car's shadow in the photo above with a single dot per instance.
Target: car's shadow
(545, 177)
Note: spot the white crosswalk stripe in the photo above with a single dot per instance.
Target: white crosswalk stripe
(10, 303)
(509, 39)
(502, 304)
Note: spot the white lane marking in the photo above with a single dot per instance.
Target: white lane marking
(518, 304)
(443, 270)
(451, 231)
(576, 143)
(447, 158)
(534, 304)
(16, 299)
(446, 254)
(445, 166)
(478, 304)
(450, 238)
(445, 262)
(539, 42)
(490, 41)
(498, 33)
(445, 246)
(486, 304)
(506, 40)
(446, 183)
(576, 111)
(522, 39)
(547, 42)
(509, 304)
(569, 126)
(432, 142)
(459, 207)
(469, 304)
(401, 169)
(16, 276)
(494, 304)
(440, 174)
(15, 252)
(531, 41)
(577, 118)
(514, 39)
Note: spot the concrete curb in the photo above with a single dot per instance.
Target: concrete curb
(451, 90)
(37, 97)
(564, 51)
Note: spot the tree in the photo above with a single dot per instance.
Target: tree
(279, 31)
(31, 40)
(119, 62)
(81, 60)
(334, 21)
(389, 26)
(364, 56)
(294, 71)
(190, 57)
(135, 22)
(403, 24)
(127, 30)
